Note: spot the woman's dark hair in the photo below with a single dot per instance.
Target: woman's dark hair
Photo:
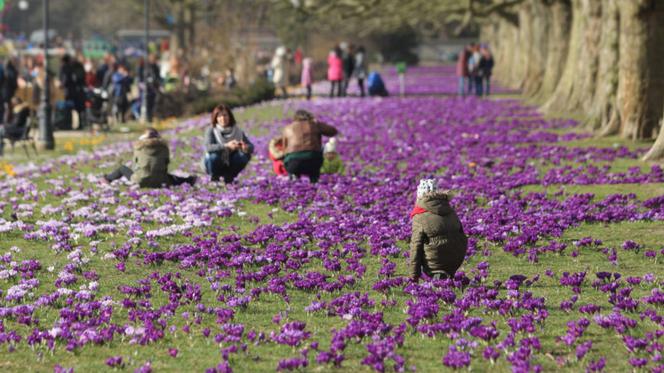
(222, 108)
(303, 116)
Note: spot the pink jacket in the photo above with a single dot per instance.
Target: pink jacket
(334, 68)
(462, 64)
(305, 79)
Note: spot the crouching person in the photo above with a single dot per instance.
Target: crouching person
(302, 140)
(150, 169)
(438, 244)
(228, 150)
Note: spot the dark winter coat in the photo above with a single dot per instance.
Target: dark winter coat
(10, 82)
(151, 158)
(438, 243)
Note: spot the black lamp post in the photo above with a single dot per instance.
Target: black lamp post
(147, 71)
(46, 139)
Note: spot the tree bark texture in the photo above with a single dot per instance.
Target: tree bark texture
(560, 13)
(603, 114)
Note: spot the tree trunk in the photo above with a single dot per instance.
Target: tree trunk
(560, 101)
(640, 69)
(588, 62)
(561, 22)
(656, 152)
(603, 115)
(535, 21)
(508, 70)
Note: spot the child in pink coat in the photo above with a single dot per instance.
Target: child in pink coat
(335, 71)
(305, 80)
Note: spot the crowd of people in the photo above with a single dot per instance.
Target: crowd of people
(345, 62)
(474, 69)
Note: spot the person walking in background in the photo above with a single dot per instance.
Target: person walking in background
(438, 244)
(474, 70)
(9, 87)
(121, 87)
(227, 148)
(280, 67)
(72, 81)
(150, 167)
(104, 68)
(462, 70)
(90, 74)
(306, 77)
(486, 69)
(149, 81)
(302, 141)
(360, 68)
(335, 71)
(348, 59)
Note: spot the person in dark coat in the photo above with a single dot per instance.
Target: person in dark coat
(9, 87)
(150, 167)
(150, 81)
(486, 69)
(438, 244)
(348, 58)
(72, 80)
(227, 148)
(121, 85)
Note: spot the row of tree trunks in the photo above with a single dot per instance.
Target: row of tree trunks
(601, 58)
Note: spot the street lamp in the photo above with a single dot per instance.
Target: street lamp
(146, 70)
(46, 139)
(23, 5)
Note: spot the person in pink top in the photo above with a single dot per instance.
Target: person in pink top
(335, 71)
(305, 79)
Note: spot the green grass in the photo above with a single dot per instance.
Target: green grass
(197, 353)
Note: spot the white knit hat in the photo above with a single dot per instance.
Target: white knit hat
(330, 146)
(426, 186)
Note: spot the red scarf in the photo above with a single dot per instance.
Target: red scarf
(416, 211)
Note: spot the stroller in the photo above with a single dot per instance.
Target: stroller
(97, 107)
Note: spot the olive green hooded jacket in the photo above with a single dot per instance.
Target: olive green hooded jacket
(151, 158)
(438, 243)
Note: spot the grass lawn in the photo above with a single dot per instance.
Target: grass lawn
(185, 330)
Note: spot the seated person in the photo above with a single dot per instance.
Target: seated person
(332, 163)
(228, 150)
(16, 128)
(150, 169)
(376, 85)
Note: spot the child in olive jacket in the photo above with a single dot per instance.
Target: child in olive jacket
(438, 244)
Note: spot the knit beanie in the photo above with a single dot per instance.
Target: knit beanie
(330, 146)
(426, 186)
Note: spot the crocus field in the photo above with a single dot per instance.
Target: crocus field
(564, 269)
